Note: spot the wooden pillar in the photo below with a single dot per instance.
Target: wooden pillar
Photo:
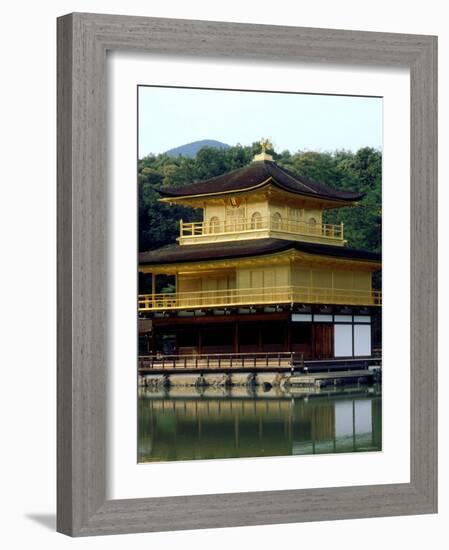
(236, 337)
(153, 342)
(153, 284)
(176, 331)
(289, 336)
(200, 340)
(314, 343)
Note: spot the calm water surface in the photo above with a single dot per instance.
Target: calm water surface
(189, 424)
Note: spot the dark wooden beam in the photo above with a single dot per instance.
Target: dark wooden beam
(218, 319)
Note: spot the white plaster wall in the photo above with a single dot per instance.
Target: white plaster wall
(343, 340)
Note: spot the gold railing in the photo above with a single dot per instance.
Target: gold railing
(271, 223)
(258, 296)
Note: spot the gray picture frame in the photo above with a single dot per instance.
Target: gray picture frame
(83, 41)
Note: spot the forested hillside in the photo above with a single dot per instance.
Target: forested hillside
(360, 171)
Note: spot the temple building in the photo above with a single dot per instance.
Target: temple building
(261, 273)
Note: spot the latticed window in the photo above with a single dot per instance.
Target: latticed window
(235, 218)
(214, 224)
(256, 220)
(312, 225)
(276, 221)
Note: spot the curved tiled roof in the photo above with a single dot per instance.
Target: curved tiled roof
(258, 174)
(174, 253)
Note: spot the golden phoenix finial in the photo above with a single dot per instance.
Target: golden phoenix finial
(263, 155)
(265, 144)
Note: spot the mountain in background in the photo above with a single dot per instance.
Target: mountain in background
(191, 149)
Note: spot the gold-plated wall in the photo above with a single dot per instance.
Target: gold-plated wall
(273, 276)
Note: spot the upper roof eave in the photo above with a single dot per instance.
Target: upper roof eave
(254, 176)
(270, 181)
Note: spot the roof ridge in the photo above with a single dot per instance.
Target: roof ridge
(294, 178)
(308, 181)
(207, 180)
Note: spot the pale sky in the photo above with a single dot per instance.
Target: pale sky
(169, 117)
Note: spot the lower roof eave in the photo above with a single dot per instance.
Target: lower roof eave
(182, 255)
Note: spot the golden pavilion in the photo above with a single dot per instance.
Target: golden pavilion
(261, 273)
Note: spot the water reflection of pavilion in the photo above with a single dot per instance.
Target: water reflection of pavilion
(200, 427)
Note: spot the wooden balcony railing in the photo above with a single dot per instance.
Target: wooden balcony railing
(255, 360)
(258, 296)
(220, 360)
(260, 224)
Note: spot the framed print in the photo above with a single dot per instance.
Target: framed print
(246, 274)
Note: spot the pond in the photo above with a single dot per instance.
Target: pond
(192, 424)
